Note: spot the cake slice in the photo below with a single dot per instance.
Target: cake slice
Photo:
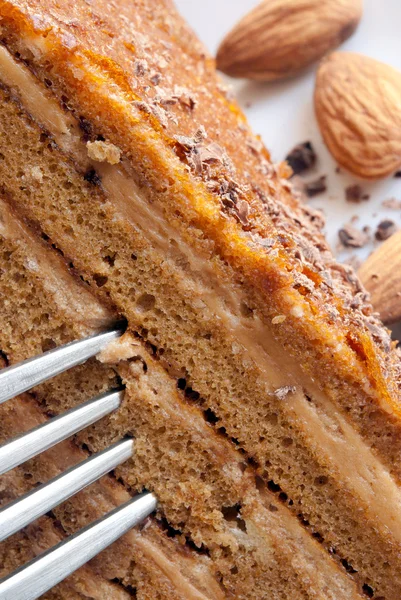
(248, 545)
(121, 153)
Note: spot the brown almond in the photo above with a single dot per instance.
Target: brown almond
(358, 108)
(279, 38)
(381, 275)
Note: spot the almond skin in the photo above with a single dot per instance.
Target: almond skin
(358, 108)
(279, 38)
(381, 275)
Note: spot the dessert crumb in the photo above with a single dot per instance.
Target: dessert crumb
(301, 157)
(278, 319)
(385, 229)
(350, 237)
(315, 187)
(282, 393)
(103, 152)
(392, 203)
(355, 193)
(123, 348)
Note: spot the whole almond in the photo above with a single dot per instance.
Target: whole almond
(279, 38)
(381, 275)
(358, 108)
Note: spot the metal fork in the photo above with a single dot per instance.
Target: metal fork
(39, 575)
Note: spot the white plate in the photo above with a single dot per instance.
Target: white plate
(283, 112)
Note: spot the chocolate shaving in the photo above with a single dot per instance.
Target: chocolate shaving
(155, 78)
(267, 242)
(140, 67)
(355, 193)
(229, 193)
(155, 111)
(332, 312)
(302, 281)
(327, 278)
(242, 211)
(185, 141)
(350, 237)
(190, 142)
(200, 155)
(385, 229)
(301, 158)
(160, 114)
(210, 153)
(315, 187)
(200, 135)
(184, 97)
(179, 95)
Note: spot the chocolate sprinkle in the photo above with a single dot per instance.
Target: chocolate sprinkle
(301, 158)
(385, 229)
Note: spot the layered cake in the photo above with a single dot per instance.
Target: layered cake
(260, 388)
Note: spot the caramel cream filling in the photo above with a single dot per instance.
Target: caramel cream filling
(175, 576)
(307, 559)
(339, 445)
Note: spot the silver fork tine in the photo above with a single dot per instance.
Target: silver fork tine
(19, 378)
(39, 501)
(59, 428)
(34, 579)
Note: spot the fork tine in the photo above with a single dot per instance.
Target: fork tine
(59, 428)
(34, 579)
(39, 501)
(19, 378)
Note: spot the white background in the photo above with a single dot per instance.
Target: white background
(283, 112)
